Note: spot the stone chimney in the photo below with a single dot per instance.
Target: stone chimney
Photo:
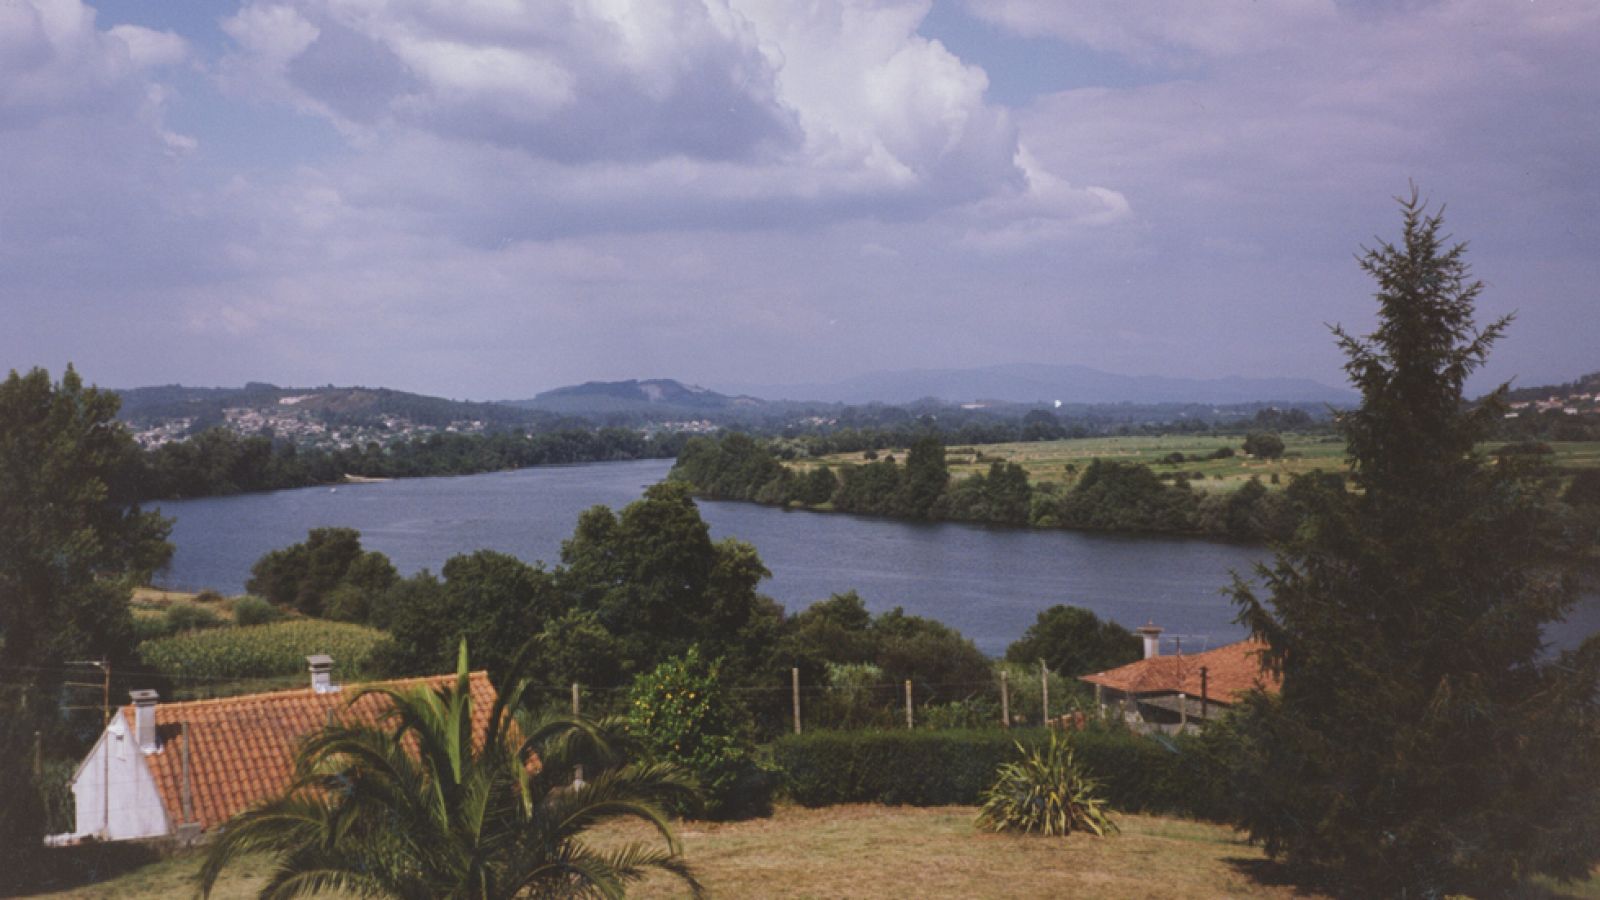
(144, 720)
(322, 673)
(1151, 632)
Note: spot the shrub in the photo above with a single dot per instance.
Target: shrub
(1177, 776)
(680, 714)
(260, 651)
(252, 610)
(1045, 792)
(190, 617)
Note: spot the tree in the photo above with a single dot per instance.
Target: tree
(305, 575)
(493, 600)
(72, 542)
(1424, 742)
(1073, 641)
(682, 715)
(419, 808)
(70, 536)
(654, 578)
(1263, 445)
(925, 479)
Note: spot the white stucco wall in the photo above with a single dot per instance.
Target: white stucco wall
(134, 806)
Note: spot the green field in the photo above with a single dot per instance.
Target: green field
(1048, 460)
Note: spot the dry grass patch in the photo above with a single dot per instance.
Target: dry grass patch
(879, 851)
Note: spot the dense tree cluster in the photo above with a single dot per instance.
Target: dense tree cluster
(1425, 742)
(1073, 641)
(1108, 495)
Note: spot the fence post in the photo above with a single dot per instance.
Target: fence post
(1005, 699)
(1044, 687)
(577, 770)
(794, 683)
(908, 703)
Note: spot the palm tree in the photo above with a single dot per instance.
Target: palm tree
(415, 807)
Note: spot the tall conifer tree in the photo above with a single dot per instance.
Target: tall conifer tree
(1426, 741)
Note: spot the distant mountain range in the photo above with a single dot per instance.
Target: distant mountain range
(1036, 383)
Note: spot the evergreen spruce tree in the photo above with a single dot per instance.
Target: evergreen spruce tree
(1426, 741)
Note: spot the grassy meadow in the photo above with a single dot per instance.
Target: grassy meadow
(1048, 460)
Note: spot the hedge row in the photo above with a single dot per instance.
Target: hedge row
(933, 768)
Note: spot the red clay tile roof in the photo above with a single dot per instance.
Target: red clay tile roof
(1230, 671)
(242, 748)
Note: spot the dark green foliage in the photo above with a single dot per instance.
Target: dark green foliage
(1424, 742)
(934, 768)
(941, 664)
(1119, 496)
(1584, 491)
(71, 541)
(817, 486)
(1263, 445)
(835, 630)
(190, 617)
(494, 601)
(252, 610)
(681, 714)
(1073, 641)
(925, 478)
(656, 581)
(735, 467)
(305, 575)
(1003, 497)
(22, 815)
(869, 490)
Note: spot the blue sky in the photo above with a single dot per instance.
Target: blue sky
(487, 198)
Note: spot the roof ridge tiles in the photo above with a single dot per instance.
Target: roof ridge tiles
(288, 693)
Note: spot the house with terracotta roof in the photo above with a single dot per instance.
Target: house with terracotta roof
(178, 769)
(1170, 693)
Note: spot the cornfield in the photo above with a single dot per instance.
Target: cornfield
(261, 651)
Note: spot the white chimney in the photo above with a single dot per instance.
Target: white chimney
(144, 720)
(322, 673)
(1151, 632)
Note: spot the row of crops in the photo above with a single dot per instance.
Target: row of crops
(261, 651)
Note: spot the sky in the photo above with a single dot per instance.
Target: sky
(483, 199)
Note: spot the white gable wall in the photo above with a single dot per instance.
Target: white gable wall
(131, 807)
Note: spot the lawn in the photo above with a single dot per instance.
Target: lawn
(874, 851)
(880, 851)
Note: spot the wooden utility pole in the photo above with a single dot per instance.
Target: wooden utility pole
(794, 687)
(1044, 688)
(908, 703)
(575, 699)
(1005, 699)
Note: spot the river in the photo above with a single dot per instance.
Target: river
(989, 583)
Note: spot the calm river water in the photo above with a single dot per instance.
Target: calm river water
(989, 583)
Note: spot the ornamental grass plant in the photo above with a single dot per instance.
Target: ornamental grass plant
(1045, 792)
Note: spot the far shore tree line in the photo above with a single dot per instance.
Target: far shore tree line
(1104, 495)
(218, 462)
